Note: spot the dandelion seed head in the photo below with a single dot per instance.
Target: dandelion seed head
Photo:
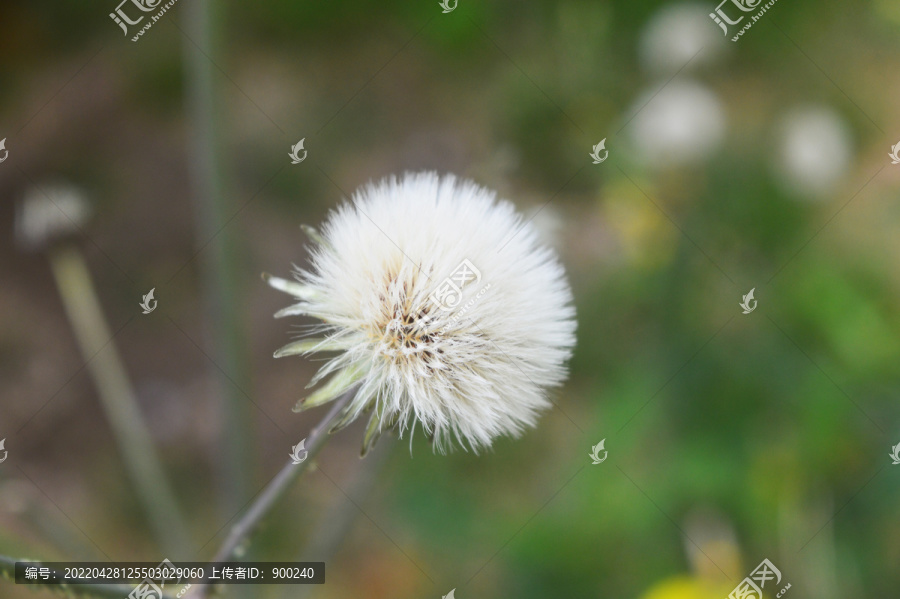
(49, 212)
(679, 36)
(467, 367)
(815, 152)
(682, 123)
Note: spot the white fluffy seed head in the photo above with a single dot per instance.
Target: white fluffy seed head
(443, 307)
(48, 213)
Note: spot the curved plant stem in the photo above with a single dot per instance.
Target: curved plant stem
(102, 591)
(119, 400)
(274, 491)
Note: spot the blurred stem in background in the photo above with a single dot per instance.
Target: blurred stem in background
(118, 399)
(38, 513)
(219, 280)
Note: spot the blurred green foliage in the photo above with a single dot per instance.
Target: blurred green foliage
(776, 424)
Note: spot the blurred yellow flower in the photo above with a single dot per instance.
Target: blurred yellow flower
(687, 587)
(646, 237)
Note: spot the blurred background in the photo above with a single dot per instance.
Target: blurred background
(758, 164)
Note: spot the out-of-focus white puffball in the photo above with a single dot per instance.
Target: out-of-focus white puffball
(676, 34)
(682, 124)
(814, 151)
(48, 212)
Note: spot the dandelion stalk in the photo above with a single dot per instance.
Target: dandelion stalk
(269, 496)
(101, 591)
(118, 399)
(46, 218)
(213, 214)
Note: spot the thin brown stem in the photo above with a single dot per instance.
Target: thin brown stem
(119, 400)
(274, 491)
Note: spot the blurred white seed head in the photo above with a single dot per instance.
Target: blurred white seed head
(678, 35)
(49, 212)
(471, 373)
(815, 149)
(16, 496)
(681, 124)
